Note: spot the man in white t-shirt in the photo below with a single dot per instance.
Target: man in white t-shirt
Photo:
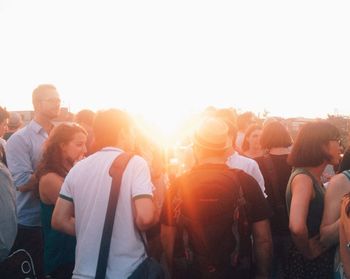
(81, 207)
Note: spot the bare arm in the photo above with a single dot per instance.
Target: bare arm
(146, 213)
(49, 187)
(63, 216)
(302, 194)
(262, 248)
(30, 185)
(344, 238)
(339, 185)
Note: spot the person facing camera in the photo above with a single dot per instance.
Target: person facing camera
(65, 146)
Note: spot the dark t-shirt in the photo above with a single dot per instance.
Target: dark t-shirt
(257, 207)
(279, 220)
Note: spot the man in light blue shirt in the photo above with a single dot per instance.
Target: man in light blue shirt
(23, 151)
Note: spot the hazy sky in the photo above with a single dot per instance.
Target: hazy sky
(166, 59)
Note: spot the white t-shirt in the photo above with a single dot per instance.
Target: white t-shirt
(87, 185)
(249, 166)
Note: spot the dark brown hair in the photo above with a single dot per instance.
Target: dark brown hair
(52, 156)
(308, 149)
(275, 134)
(251, 129)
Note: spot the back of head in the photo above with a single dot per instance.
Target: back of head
(275, 134)
(244, 120)
(211, 137)
(85, 116)
(15, 121)
(230, 118)
(108, 125)
(308, 149)
(4, 114)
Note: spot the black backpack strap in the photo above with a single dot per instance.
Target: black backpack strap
(116, 172)
(272, 175)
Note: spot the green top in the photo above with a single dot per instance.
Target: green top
(314, 217)
(59, 248)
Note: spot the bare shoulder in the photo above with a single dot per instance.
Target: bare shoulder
(51, 178)
(49, 187)
(338, 186)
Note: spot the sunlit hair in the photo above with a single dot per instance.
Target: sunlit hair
(85, 116)
(308, 149)
(244, 119)
(4, 114)
(275, 134)
(230, 118)
(40, 91)
(107, 126)
(52, 160)
(250, 130)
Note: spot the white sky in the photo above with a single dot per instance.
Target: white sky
(166, 59)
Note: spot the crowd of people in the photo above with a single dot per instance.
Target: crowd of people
(96, 198)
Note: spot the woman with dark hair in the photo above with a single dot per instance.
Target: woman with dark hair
(276, 140)
(316, 145)
(64, 147)
(251, 147)
(344, 235)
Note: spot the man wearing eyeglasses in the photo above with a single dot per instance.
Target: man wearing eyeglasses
(23, 151)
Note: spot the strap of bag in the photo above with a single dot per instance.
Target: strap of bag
(116, 172)
(272, 174)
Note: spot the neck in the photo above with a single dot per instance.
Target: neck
(44, 122)
(279, 150)
(212, 160)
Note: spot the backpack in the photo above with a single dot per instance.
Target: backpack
(18, 265)
(213, 214)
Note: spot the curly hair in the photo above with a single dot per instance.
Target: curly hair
(51, 160)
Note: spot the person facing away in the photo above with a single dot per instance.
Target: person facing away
(235, 160)
(4, 116)
(15, 122)
(85, 118)
(64, 147)
(81, 207)
(276, 140)
(8, 219)
(23, 151)
(203, 202)
(316, 145)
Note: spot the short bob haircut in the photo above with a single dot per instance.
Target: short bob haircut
(308, 149)
(107, 127)
(275, 134)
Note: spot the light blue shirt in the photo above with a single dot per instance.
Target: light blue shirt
(23, 153)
